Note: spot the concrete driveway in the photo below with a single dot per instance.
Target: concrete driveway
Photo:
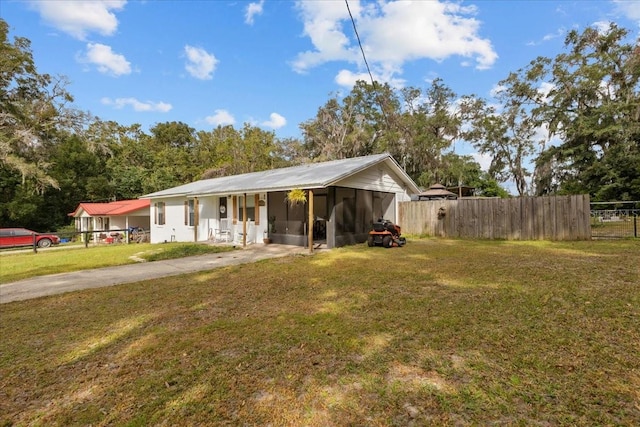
(108, 276)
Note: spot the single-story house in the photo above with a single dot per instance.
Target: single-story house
(119, 215)
(344, 198)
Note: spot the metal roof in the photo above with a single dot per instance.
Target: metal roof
(121, 207)
(437, 191)
(310, 175)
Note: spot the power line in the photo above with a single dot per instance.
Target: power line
(355, 30)
(364, 57)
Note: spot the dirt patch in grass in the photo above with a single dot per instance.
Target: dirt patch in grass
(435, 333)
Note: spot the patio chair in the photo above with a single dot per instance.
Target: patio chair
(223, 233)
(251, 233)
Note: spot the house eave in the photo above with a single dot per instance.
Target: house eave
(267, 181)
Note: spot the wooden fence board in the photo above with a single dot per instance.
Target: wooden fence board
(523, 218)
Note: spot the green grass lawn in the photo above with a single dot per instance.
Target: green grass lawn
(17, 266)
(439, 332)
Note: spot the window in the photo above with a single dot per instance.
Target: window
(190, 212)
(159, 218)
(251, 210)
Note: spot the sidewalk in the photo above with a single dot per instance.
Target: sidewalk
(108, 276)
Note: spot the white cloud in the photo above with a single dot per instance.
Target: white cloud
(602, 26)
(200, 63)
(630, 9)
(560, 32)
(107, 61)
(78, 18)
(392, 33)
(544, 90)
(253, 9)
(276, 121)
(348, 79)
(323, 25)
(220, 118)
(138, 106)
(483, 159)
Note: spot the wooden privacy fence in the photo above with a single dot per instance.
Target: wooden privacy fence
(522, 218)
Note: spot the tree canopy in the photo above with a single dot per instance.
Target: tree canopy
(563, 125)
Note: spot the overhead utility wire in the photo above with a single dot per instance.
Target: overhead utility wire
(373, 82)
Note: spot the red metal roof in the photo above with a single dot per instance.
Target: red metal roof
(121, 207)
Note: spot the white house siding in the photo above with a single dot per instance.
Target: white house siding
(175, 229)
(379, 178)
(208, 217)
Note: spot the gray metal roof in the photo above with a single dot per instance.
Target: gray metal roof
(311, 175)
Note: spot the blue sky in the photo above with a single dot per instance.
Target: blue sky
(274, 63)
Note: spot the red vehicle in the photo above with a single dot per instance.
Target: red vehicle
(386, 234)
(10, 237)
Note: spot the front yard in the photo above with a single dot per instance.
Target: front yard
(440, 332)
(22, 264)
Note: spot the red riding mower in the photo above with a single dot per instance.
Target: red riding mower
(385, 233)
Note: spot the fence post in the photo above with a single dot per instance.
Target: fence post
(86, 239)
(35, 245)
(635, 225)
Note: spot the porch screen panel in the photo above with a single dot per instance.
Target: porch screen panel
(277, 212)
(345, 210)
(383, 206)
(364, 211)
(297, 219)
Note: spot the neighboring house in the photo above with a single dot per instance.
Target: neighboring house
(119, 215)
(347, 197)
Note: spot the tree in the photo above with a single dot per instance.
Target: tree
(416, 127)
(248, 150)
(593, 107)
(34, 110)
(75, 167)
(428, 128)
(130, 164)
(356, 126)
(173, 145)
(507, 133)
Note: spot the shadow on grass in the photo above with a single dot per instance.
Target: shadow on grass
(431, 333)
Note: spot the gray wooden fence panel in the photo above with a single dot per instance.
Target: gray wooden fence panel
(523, 218)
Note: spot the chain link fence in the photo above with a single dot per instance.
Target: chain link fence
(615, 220)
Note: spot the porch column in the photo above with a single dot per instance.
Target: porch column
(331, 222)
(311, 221)
(196, 219)
(244, 220)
